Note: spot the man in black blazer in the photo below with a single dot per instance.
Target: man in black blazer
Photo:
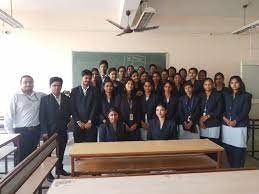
(54, 117)
(84, 100)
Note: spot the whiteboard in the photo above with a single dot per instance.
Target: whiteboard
(250, 76)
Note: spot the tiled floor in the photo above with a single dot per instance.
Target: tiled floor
(250, 162)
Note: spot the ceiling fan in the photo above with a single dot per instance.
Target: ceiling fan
(128, 29)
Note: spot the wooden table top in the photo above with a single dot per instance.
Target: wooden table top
(129, 148)
(7, 138)
(238, 182)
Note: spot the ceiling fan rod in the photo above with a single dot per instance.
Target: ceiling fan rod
(245, 7)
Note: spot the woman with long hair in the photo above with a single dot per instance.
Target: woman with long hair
(189, 114)
(157, 84)
(236, 121)
(212, 109)
(169, 100)
(178, 90)
(129, 108)
(114, 129)
(107, 100)
(160, 127)
(96, 80)
(148, 102)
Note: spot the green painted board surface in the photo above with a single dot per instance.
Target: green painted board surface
(89, 60)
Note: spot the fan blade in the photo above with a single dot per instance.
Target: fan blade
(121, 34)
(115, 24)
(145, 29)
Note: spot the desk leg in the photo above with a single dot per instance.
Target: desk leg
(219, 159)
(72, 166)
(253, 139)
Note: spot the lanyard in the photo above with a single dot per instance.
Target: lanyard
(32, 98)
(130, 103)
(206, 106)
(189, 105)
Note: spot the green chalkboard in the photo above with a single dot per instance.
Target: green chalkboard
(88, 60)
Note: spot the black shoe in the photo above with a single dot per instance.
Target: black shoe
(50, 178)
(62, 172)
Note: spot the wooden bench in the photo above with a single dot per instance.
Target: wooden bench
(4, 153)
(28, 176)
(6, 149)
(148, 164)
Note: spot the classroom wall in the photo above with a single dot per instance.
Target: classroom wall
(48, 53)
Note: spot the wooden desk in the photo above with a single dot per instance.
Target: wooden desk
(142, 165)
(143, 149)
(238, 182)
(8, 138)
(5, 139)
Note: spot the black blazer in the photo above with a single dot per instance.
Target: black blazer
(137, 87)
(117, 88)
(214, 108)
(106, 133)
(184, 111)
(121, 102)
(168, 131)
(171, 107)
(54, 117)
(158, 90)
(223, 91)
(238, 108)
(178, 92)
(197, 86)
(105, 106)
(148, 106)
(84, 108)
(98, 87)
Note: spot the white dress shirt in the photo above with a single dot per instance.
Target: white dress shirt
(58, 98)
(23, 111)
(85, 89)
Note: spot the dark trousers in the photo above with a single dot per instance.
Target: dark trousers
(28, 141)
(62, 143)
(85, 135)
(216, 141)
(236, 156)
(60, 151)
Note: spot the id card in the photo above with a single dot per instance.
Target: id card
(131, 117)
(189, 118)
(146, 117)
(204, 114)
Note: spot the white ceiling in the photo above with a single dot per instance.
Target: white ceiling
(191, 16)
(63, 5)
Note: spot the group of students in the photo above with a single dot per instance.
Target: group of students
(125, 104)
